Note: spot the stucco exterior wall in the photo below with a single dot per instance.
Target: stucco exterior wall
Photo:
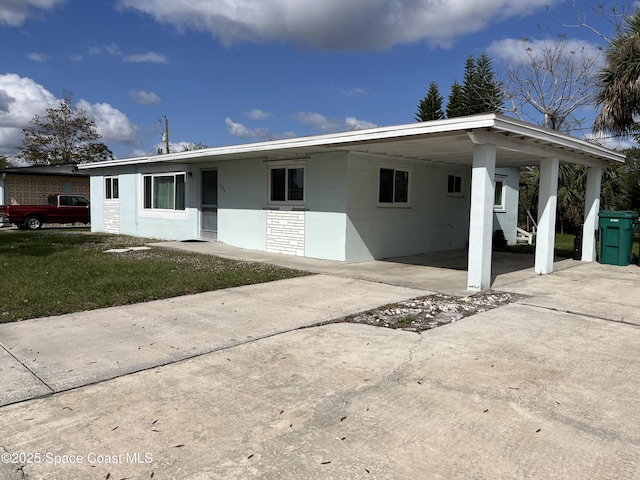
(432, 222)
(326, 203)
(242, 201)
(340, 219)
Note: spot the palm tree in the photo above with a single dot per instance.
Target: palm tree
(619, 89)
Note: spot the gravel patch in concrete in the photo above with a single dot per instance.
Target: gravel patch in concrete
(425, 313)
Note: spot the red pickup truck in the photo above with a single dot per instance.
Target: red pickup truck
(61, 209)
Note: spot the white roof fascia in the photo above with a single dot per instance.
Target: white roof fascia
(545, 135)
(336, 140)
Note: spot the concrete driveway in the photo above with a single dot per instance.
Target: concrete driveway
(543, 388)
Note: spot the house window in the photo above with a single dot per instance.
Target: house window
(498, 199)
(393, 187)
(286, 184)
(454, 186)
(164, 191)
(111, 188)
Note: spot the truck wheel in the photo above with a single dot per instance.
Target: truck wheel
(32, 223)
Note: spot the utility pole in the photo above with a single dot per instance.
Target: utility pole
(165, 133)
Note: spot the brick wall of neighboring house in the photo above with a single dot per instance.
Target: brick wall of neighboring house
(34, 189)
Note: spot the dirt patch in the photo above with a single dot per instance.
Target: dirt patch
(432, 311)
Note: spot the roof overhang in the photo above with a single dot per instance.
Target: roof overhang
(449, 141)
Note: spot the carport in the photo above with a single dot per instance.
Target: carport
(484, 142)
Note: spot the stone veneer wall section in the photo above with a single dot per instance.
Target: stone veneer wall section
(35, 189)
(285, 232)
(112, 216)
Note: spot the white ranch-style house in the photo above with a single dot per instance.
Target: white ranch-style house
(355, 196)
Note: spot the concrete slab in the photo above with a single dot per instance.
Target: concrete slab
(518, 392)
(17, 382)
(588, 288)
(78, 349)
(444, 272)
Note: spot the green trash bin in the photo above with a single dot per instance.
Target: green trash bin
(616, 236)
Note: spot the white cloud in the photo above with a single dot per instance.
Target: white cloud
(336, 24)
(111, 123)
(511, 50)
(325, 125)
(355, 124)
(318, 121)
(144, 98)
(114, 50)
(20, 100)
(38, 57)
(149, 57)
(257, 114)
(15, 12)
(239, 130)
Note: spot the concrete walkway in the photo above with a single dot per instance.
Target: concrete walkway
(246, 387)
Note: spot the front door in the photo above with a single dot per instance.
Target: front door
(209, 206)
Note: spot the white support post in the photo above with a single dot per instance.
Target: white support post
(481, 221)
(547, 202)
(591, 209)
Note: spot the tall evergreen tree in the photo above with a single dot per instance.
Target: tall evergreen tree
(481, 92)
(488, 89)
(468, 89)
(430, 107)
(455, 104)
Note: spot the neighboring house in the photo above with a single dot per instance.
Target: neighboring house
(353, 196)
(32, 185)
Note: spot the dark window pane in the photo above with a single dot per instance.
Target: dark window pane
(458, 185)
(107, 188)
(180, 183)
(278, 184)
(385, 195)
(401, 194)
(210, 187)
(296, 184)
(498, 194)
(116, 193)
(147, 191)
(451, 184)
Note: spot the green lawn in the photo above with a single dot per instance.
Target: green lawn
(563, 246)
(51, 272)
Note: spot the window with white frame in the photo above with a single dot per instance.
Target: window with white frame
(286, 184)
(499, 190)
(164, 191)
(393, 186)
(111, 190)
(454, 186)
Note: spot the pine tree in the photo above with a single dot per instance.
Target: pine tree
(430, 107)
(488, 91)
(480, 91)
(455, 104)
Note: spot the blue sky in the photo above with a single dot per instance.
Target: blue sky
(236, 71)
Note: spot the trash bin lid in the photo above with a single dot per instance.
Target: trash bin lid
(618, 214)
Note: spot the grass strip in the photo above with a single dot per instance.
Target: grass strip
(52, 272)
